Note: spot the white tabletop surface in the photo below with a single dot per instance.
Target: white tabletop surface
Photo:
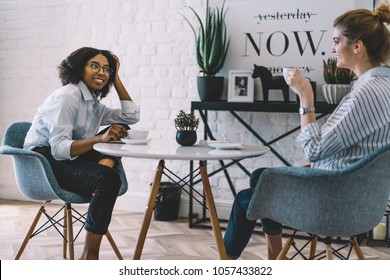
(168, 150)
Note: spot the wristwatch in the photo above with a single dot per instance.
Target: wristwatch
(303, 111)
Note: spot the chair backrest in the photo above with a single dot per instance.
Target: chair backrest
(15, 134)
(328, 203)
(33, 173)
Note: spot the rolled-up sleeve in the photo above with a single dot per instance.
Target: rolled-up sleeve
(319, 143)
(131, 110)
(128, 114)
(310, 140)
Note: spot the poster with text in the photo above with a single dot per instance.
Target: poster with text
(283, 33)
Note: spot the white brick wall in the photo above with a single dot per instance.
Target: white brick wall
(158, 67)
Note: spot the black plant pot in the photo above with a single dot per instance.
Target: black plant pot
(210, 88)
(186, 138)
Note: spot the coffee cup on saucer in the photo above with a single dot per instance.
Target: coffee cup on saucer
(137, 134)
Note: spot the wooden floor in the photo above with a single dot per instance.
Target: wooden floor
(165, 240)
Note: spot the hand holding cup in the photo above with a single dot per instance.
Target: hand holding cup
(288, 70)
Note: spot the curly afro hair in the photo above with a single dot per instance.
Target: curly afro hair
(71, 69)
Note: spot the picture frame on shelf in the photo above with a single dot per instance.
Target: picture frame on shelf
(376, 2)
(241, 86)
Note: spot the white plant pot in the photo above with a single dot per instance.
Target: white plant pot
(333, 93)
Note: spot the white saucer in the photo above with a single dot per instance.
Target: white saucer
(221, 152)
(225, 145)
(136, 141)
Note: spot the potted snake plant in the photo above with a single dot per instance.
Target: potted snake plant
(212, 44)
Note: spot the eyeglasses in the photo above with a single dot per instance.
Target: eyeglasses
(96, 68)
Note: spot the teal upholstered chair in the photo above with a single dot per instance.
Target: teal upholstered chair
(325, 204)
(35, 179)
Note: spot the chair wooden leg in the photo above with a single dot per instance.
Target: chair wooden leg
(329, 251)
(113, 245)
(29, 232)
(212, 211)
(149, 211)
(64, 240)
(357, 249)
(313, 247)
(70, 230)
(283, 253)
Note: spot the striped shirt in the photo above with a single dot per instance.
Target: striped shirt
(359, 125)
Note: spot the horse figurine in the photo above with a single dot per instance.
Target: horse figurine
(270, 82)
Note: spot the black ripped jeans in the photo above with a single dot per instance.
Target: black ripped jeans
(86, 176)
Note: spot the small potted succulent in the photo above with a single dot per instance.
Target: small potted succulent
(186, 126)
(337, 81)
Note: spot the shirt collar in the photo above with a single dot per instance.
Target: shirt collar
(85, 91)
(373, 72)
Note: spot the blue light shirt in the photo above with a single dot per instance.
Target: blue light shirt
(359, 125)
(72, 113)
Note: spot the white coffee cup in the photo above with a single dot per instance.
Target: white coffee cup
(287, 70)
(137, 134)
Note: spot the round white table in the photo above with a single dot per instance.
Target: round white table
(162, 150)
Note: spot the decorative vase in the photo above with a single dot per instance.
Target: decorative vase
(333, 93)
(210, 88)
(186, 138)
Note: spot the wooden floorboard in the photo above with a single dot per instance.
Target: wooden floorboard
(165, 240)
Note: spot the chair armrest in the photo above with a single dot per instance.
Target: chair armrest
(38, 181)
(122, 174)
(8, 150)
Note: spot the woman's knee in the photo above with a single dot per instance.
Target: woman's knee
(243, 199)
(255, 175)
(109, 180)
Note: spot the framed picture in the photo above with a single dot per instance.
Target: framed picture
(376, 2)
(240, 86)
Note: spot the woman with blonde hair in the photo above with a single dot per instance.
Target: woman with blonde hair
(359, 125)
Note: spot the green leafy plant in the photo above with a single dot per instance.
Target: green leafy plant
(211, 40)
(186, 122)
(336, 75)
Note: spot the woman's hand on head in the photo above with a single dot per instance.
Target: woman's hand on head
(117, 64)
(119, 87)
(115, 132)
